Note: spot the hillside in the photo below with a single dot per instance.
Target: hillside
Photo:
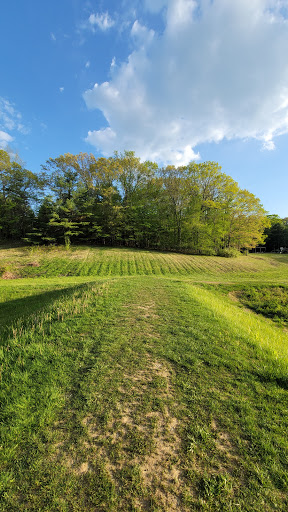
(104, 262)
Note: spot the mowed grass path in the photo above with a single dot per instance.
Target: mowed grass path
(141, 393)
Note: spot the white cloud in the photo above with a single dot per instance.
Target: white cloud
(102, 137)
(218, 70)
(113, 63)
(180, 14)
(61, 89)
(5, 139)
(8, 115)
(141, 34)
(10, 121)
(269, 145)
(87, 64)
(102, 21)
(52, 36)
(21, 128)
(268, 142)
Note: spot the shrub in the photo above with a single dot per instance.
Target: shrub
(228, 252)
(208, 251)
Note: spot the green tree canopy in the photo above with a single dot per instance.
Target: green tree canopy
(19, 193)
(121, 200)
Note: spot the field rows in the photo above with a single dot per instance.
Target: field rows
(115, 262)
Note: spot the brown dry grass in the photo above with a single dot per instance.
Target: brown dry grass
(9, 275)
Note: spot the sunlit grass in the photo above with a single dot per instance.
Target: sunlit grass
(142, 387)
(246, 324)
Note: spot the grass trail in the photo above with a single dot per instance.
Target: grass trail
(139, 394)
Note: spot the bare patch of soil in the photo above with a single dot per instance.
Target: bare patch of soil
(225, 446)
(147, 311)
(9, 275)
(135, 437)
(33, 264)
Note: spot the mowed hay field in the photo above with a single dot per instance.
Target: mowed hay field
(143, 381)
(84, 261)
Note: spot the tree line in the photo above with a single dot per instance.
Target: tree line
(276, 235)
(122, 201)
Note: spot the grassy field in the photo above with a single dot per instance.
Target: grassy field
(105, 262)
(143, 381)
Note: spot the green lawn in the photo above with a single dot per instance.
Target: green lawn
(142, 381)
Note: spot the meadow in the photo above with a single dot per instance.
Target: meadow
(142, 381)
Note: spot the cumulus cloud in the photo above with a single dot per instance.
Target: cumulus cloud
(218, 70)
(103, 21)
(141, 34)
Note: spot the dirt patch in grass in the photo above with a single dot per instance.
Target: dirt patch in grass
(140, 437)
(33, 264)
(147, 311)
(140, 444)
(159, 468)
(225, 446)
(147, 308)
(9, 275)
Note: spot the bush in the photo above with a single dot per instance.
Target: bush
(228, 252)
(207, 252)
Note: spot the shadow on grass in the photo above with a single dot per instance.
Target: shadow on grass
(279, 258)
(23, 308)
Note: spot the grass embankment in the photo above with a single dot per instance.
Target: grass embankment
(271, 302)
(149, 393)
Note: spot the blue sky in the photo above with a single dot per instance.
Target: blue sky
(173, 80)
